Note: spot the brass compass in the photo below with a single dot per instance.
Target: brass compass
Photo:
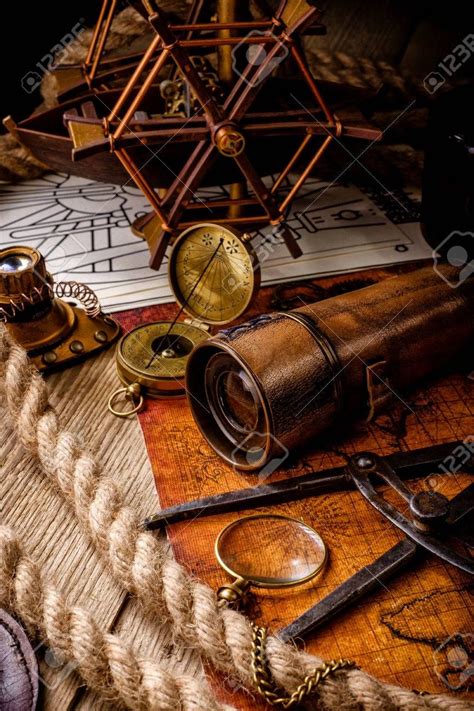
(224, 266)
(213, 272)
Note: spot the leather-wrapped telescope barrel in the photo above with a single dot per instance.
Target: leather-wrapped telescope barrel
(278, 381)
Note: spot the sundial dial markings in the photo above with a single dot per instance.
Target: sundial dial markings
(196, 295)
(236, 258)
(195, 245)
(192, 270)
(199, 245)
(186, 257)
(214, 275)
(210, 275)
(198, 267)
(230, 302)
(203, 281)
(199, 295)
(210, 280)
(229, 272)
(201, 257)
(222, 300)
(199, 252)
(218, 278)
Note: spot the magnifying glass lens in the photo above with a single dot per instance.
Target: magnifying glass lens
(271, 551)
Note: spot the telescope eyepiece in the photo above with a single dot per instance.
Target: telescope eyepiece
(232, 397)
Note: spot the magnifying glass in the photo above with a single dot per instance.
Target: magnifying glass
(272, 551)
(268, 551)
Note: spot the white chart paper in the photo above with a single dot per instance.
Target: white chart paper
(83, 230)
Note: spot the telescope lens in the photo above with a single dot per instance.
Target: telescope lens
(235, 403)
(15, 263)
(238, 400)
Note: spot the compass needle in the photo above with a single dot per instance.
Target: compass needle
(155, 352)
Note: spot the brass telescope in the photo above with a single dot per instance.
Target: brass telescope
(277, 382)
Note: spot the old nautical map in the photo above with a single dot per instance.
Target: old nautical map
(83, 230)
(415, 630)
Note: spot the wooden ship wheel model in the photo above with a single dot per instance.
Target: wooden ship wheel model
(219, 101)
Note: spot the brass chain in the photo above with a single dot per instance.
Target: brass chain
(266, 686)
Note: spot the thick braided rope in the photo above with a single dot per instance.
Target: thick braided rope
(143, 566)
(363, 72)
(104, 661)
(17, 162)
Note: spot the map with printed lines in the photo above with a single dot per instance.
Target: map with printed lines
(414, 630)
(83, 230)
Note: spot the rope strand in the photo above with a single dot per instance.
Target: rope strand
(104, 661)
(142, 564)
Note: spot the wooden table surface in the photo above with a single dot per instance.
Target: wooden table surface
(408, 629)
(49, 530)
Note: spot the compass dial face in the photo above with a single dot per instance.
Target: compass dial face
(165, 370)
(213, 273)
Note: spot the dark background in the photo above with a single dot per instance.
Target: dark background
(28, 31)
(412, 35)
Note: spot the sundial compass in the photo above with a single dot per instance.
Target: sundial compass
(214, 272)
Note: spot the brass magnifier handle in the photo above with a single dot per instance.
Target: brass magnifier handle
(231, 594)
(133, 394)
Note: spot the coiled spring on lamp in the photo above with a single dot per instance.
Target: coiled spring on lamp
(82, 293)
(13, 307)
(63, 290)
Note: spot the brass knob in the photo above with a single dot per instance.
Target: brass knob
(229, 141)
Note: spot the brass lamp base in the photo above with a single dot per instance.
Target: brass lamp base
(54, 333)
